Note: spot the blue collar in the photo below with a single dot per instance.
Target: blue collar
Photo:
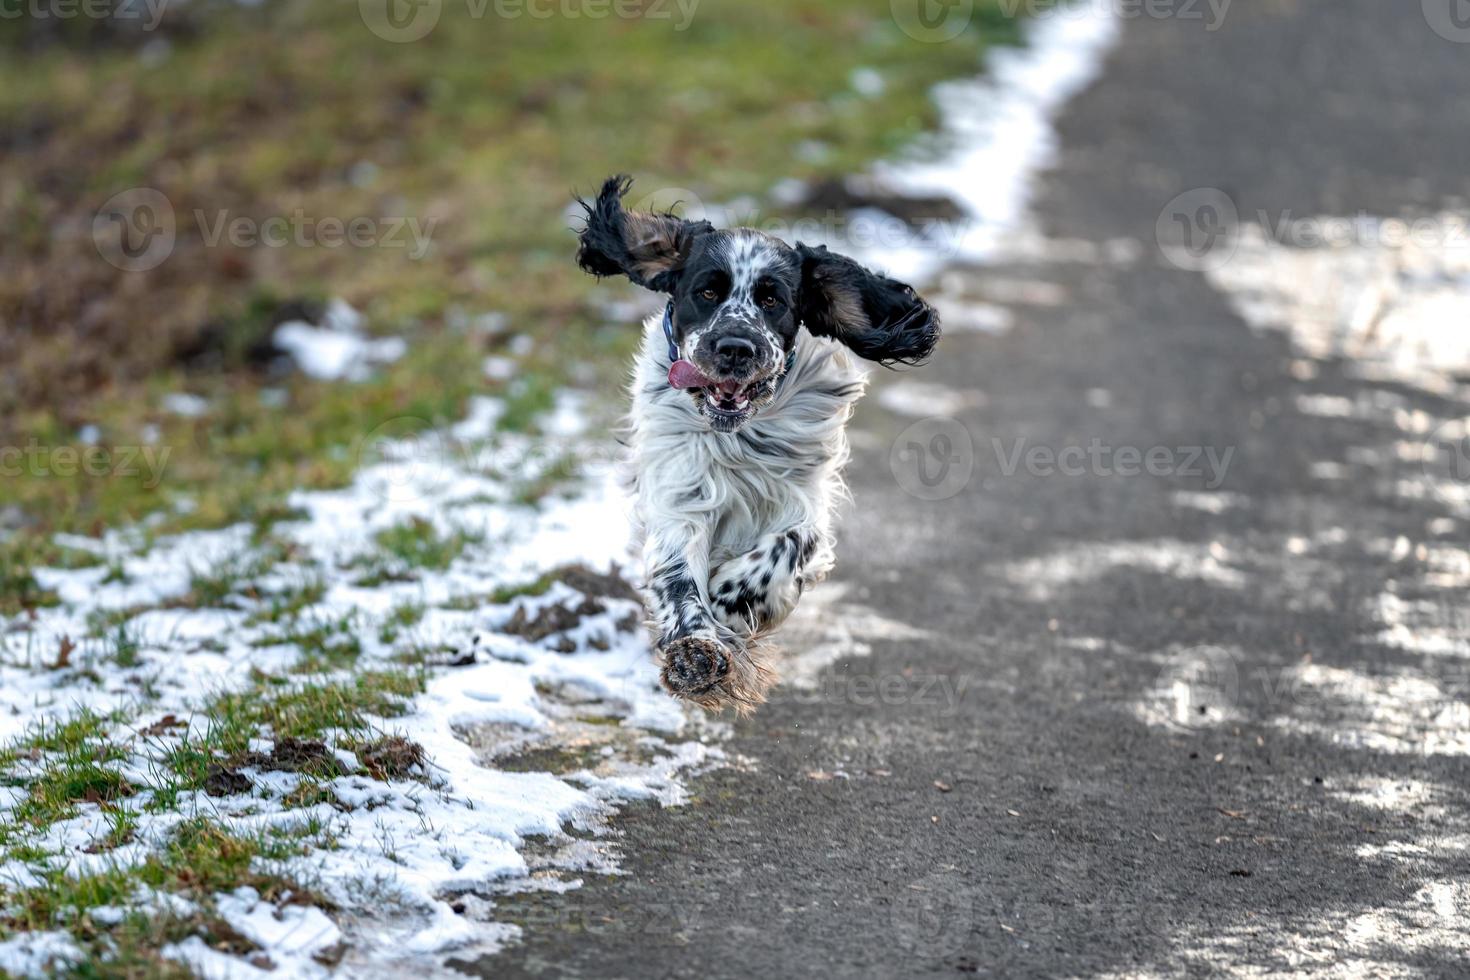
(674, 348)
(669, 332)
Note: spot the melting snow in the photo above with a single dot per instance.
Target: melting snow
(185, 404)
(1217, 502)
(337, 350)
(406, 848)
(922, 399)
(1046, 576)
(1399, 306)
(996, 134)
(37, 954)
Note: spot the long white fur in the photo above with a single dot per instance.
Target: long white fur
(711, 498)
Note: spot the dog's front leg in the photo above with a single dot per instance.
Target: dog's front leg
(756, 591)
(690, 650)
(699, 657)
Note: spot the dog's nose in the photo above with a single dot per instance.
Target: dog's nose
(735, 348)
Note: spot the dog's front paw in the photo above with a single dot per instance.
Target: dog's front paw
(694, 666)
(715, 675)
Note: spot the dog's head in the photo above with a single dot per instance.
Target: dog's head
(738, 298)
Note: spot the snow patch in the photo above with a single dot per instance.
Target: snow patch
(923, 399)
(1046, 576)
(995, 136)
(830, 626)
(1393, 795)
(1217, 502)
(1393, 712)
(185, 404)
(405, 848)
(337, 350)
(1397, 307)
(38, 954)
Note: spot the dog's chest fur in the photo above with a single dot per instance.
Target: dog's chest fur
(781, 469)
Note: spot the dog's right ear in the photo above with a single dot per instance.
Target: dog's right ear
(649, 249)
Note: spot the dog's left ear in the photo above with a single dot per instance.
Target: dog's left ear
(647, 248)
(881, 319)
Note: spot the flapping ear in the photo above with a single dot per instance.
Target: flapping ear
(647, 248)
(881, 319)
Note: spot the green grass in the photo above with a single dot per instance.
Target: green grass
(201, 858)
(558, 474)
(305, 718)
(505, 593)
(403, 549)
(400, 619)
(213, 586)
(19, 589)
(309, 709)
(530, 396)
(62, 766)
(419, 544)
(324, 642)
(290, 602)
(50, 735)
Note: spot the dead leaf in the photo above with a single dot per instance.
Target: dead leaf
(63, 656)
(161, 725)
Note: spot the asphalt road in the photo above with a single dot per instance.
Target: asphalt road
(1008, 787)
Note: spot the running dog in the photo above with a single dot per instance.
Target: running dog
(741, 395)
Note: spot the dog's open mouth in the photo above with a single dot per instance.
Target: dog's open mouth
(728, 404)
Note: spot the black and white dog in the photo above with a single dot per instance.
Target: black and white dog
(738, 426)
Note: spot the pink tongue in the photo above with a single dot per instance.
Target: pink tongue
(685, 375)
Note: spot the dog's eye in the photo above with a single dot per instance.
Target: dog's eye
(770, 302)
(710, 295)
